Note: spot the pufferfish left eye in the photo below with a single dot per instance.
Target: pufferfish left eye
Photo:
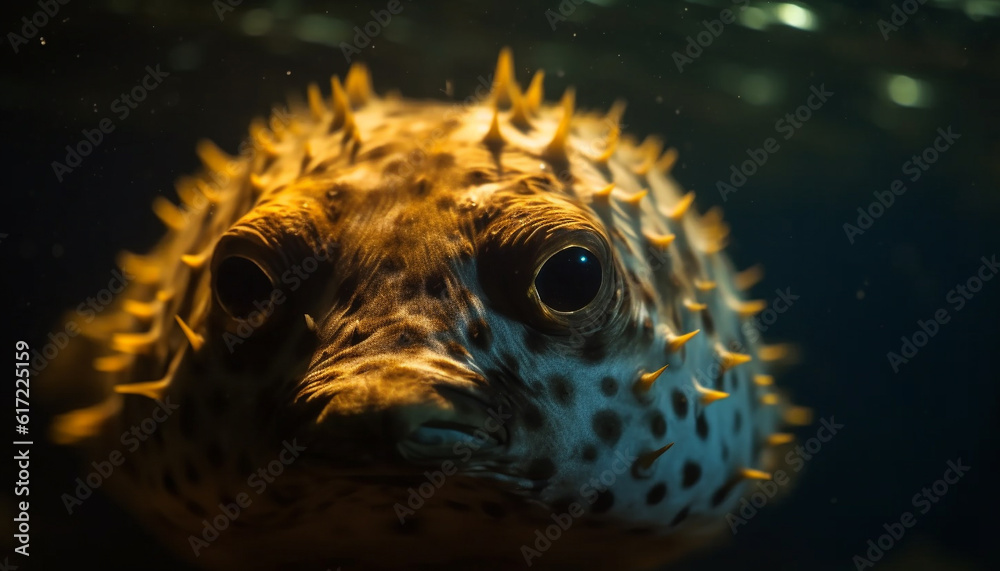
(569, 280)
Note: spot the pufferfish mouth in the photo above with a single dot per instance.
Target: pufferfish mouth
(444, 439)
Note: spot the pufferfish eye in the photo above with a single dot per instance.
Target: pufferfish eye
(569, 280)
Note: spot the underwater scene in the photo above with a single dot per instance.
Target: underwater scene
(561, 284)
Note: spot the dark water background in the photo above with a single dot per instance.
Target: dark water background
(856, 300)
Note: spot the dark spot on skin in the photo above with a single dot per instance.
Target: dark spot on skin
(701, 426)
(535, 342)
(169, 483)
(656, 494)
(477, 176)
(589, 453)
(512, 363)
(408, 337)
(494, 510)
(346, 292)
(680, 402)
(658, 424)
(594, 349)
(737, 421)
(720, 495)
(362, 369)
(562, 390)
(445, 202)
(692, 473)
(191, 473)
(442, 160)
(707, 323)
(725, 452)
(647, 330)
(608, 426)
(411, 287)
(422, 187)
(357, 336)
(681, 516)
(532, 417)
(609, 386)
(377, 152)
(480, 334)
(603, 502)
(540, 469)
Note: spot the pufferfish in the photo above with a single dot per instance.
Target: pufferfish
(412, 334)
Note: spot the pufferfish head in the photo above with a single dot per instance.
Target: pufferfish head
(403, 333)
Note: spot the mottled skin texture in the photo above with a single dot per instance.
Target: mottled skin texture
(399, 242)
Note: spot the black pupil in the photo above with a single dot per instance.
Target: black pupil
(239, 284)
(569, 280)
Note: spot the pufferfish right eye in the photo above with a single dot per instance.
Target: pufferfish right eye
(569, 280)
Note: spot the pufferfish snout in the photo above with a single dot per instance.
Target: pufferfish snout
(468, 320)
